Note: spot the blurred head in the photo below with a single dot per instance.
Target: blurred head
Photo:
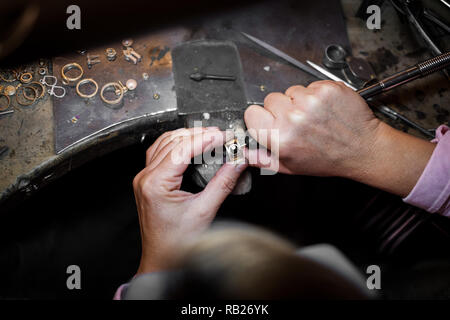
(243, 262)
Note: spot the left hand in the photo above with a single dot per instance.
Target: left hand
(169, 216)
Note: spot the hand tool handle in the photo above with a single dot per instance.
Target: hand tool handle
(418, 71)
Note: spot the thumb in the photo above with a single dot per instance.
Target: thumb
(221, 185)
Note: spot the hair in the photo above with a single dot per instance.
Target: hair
(250, 263)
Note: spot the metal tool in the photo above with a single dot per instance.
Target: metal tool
(381, 108)
(334, 57)
(329, 74)
(198, 76)
(6, 112)
(92, 60)
(286, 57)
(395, 115)
(420, 70)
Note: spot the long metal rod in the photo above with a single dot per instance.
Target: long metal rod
(286, 57)
(420, 70)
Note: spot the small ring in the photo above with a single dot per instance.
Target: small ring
(3, 108)
(84, 81)
(14, 72)
(26, 77)
(68, 67)
(23, 89)
(118, 88)
(42, 90)
(44, 81)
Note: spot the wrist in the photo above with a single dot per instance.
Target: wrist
(367, 151)
(394, 161)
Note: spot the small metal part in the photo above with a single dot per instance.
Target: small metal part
(92, 60)
(53, 86)
(131, 55)
(262, 88)
(127, 43)
(29, 101)
(358, 71)
(53, 82)
(6, 106)
(70, 66)
(26, 77)
(85, 81)
(14, 77)
(9, 90)
(42, 71)
(235, 147)
(41, 86)
(156, 96)
(111, 54)
(334, 57)
(198, 76)
(117, 87)
(145, 76)
(131, 84)
(4, 113)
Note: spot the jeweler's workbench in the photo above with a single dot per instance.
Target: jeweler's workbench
(44, 140)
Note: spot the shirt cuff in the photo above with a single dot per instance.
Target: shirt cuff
(432, 190)
(118, 294)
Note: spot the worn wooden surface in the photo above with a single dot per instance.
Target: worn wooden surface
(29, 131)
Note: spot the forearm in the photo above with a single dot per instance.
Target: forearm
(395, 163)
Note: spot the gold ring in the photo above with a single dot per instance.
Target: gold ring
(14, 72)
(68, 67)
(118, 89)
(2, 108)
(23, 89)
(26, 77)
(84, 81)
(42, 90)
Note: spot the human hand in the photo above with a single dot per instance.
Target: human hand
(325, 129)
(169, 216)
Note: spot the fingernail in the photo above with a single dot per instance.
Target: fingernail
(212, 128)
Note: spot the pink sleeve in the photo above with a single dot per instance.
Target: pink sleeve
(432, 190)
(118, 294)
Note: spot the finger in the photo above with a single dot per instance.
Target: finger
(259, 122)
(264, 159)
(184, 141)
(296, 93)
(169, 136)
(220, 186)
(181, 152)
(275, 102)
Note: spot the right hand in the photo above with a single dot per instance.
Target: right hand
(325, 129)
